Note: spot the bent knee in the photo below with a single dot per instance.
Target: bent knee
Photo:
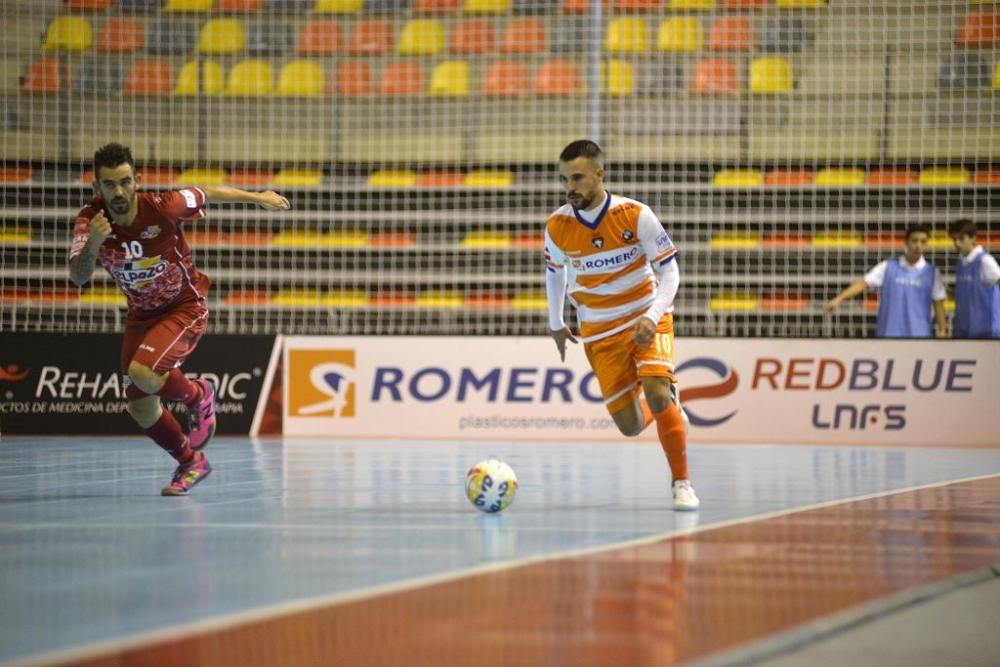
(145, 411)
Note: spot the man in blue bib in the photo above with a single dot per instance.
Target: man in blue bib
(977, 292)
(908, 288)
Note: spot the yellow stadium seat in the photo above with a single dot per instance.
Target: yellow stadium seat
(838, 239)
(618, 78)
(298, 238)
(188, 6)
(734, 301)
(15, 235)
(389, 178)
(738, 178)
(103, 295)
(940, 241)
(195, 176)
(337, 6)
(996, 77)
(450, 79)
(300, 78)
(69, 33)
(840, 177)
(351, 238)
(487, 178)
(684, 5)
(345, 298)
(188, 79)
(626, 35)
(770, 75)
(800, 4)
(682, 33)
(490, 239)
(486, 6)
(421, 37)
(297, 297)
(736, 240)
(440, 299)
(298, 178)
(250, 78)
(221, 37)
(944, 176)
(529, 301)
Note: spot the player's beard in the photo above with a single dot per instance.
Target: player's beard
(121, 205)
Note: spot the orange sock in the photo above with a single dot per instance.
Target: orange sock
(670, 428)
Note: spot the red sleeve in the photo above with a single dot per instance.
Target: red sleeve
(186, 204)
(81, 228)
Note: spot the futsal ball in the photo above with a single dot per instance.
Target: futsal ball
(491, 485)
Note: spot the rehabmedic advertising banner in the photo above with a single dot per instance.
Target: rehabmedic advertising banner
(750, 390)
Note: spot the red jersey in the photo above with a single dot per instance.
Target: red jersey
(150, 259)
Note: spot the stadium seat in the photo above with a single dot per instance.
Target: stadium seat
(238, 6)
(421, 37)
(337, 6)
(738, 178)
(836, 177)
(800, 4)
(880, 177)
(744, 4)
(625, 35)
(979, 30)
(140, 6)
(734, 301)
(298, 178)
(535, 6)
(404, 77)
(320, 38)
(69, 33)
(270, 39)
(199, 176)
(354, 79)
(390, 178)
(208, 75)
(488, 178)
(785, 301)
(148, 77)
(344, 298)
(300, 78)
(524, 35)
(250, 78)
(996, 77)
(155, 175)
(472, 36)
(437, 178)
(680, 34)
(731, 34)
(986, 177)
(788, 177)
(715, 76)
(170, 37)
(506, 79)
(558, 77)
(372, 37)
(15, 174)
(44, 75)
(250, 177)
(188, 5)
(784, 35)
(487, 300)
(529, 301)
(735, 240)
(637, 6)
(688, 5)
(120, 35)
(618, 78)
(450, 78)
(770, 75)
(87, 5)
(486, 6)
(221, 37)
(448, 299)
(436, 6)
(960, 71)
(97, 77)
(944, 176)
(843, 238)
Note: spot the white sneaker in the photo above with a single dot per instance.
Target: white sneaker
(684, 498)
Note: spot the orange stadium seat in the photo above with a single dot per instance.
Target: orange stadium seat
(491, 300)
(354, 79)
(558, 77)
(250, 177)
(472, 36)
(158, 176)
(373, 37)
(881, 177)
(986, 177)
(320, 38)
(88, 5)
(715, 76)
(744, 4)
(439, 179)
(15, 174)
(786, 240)
(148, 77)
(238, 6)
(524, 35)
(785, 301)
(506, 79)
(119, 35)
(404, 77)
(44, 75)
(979, 30)
(638, 5)
(436, 6)
(247, 298)
(393, 239)
(731, 34)
(884, 240)
(581, 6)
(788, 177)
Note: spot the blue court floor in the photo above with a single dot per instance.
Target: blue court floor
(91, 553)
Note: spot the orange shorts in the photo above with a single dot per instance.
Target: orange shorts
(618, 363)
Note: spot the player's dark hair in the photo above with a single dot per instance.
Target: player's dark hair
(582, 148)
(962, 226)
(918, 228)
(111, 156)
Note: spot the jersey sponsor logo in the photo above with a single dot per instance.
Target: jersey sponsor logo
(597, 241)
(627, 235)
(140, 272)
(147, 348)
(150, 232)
(189, 198)
(610, 260)
(663, 242)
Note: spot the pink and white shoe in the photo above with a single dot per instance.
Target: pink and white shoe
(187, 475)
(201, 417)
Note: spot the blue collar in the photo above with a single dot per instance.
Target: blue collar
(600, 216)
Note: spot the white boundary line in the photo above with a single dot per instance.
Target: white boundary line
(287, 608)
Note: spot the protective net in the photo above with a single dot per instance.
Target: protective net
(785, 144)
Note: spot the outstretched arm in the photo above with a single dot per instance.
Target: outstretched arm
(272, 201)
(849, 292)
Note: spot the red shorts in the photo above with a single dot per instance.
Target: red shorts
(618, 363)
(164, 341)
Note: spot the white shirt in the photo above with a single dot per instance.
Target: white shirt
(876, 277)
(989, 270)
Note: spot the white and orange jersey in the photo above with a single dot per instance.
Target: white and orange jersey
(608, 262)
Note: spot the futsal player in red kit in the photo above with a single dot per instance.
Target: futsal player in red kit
(138, 238)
